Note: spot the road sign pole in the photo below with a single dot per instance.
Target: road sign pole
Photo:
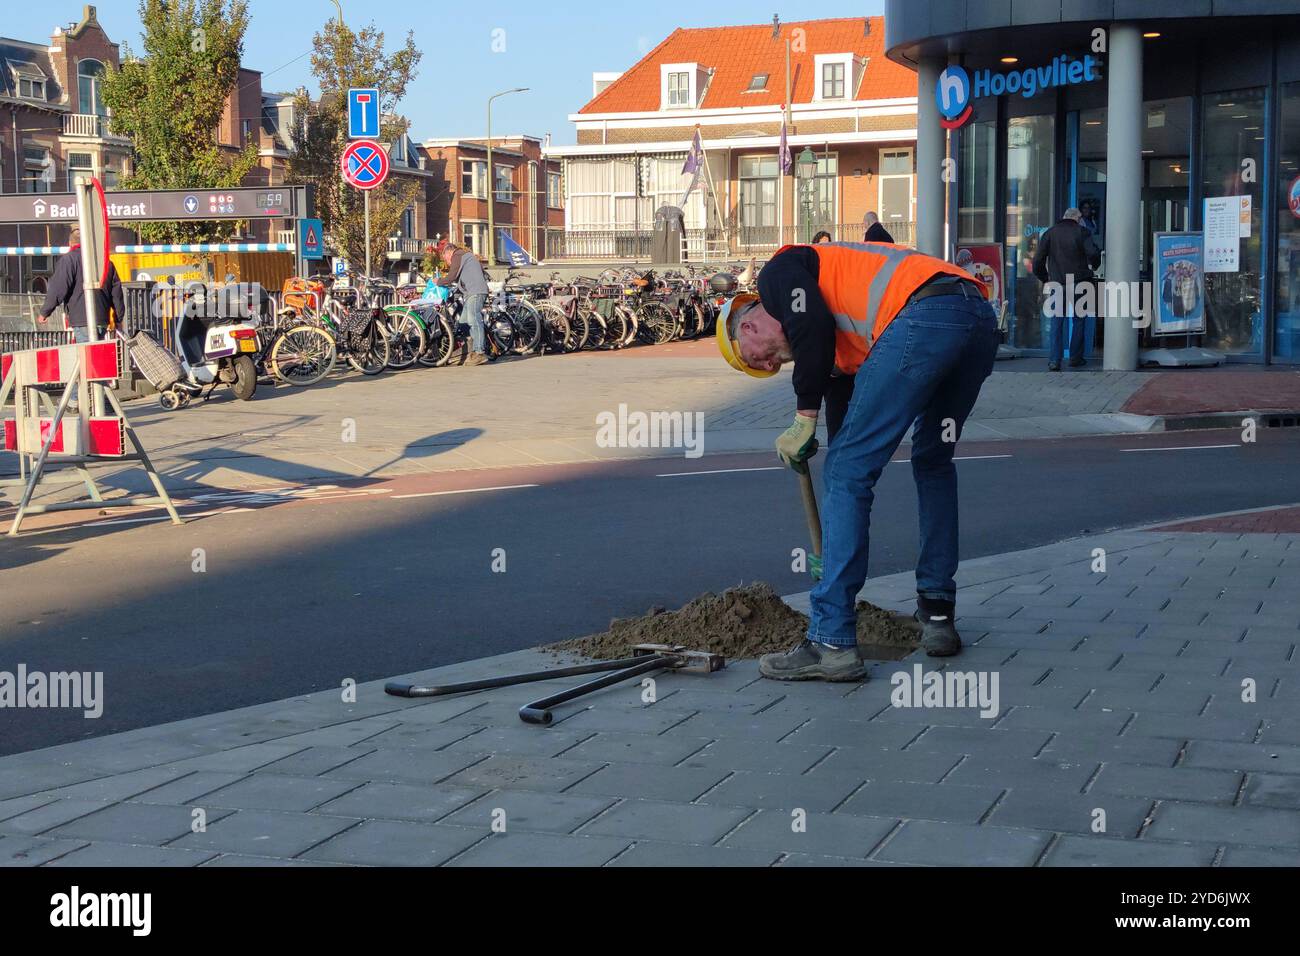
(365, 271)
(89, 272)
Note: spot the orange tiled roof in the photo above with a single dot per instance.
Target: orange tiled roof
(737, 53)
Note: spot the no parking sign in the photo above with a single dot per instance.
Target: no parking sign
(365, 164)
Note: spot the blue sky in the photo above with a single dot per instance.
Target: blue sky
(553, 48)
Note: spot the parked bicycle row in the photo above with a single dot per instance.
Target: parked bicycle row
(299, 337)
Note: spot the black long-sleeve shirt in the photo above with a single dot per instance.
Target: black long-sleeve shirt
(788, 280)
(66, 289)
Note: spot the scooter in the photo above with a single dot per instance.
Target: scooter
(216, 338)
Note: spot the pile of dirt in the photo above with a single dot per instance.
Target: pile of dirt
(741, 622)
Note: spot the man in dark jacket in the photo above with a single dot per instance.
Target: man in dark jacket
(875, 231)
(464, 270)
(66, 289)
(1066, 255)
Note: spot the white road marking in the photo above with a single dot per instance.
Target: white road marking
(462, 491)
(721, 471)
(1181, 448)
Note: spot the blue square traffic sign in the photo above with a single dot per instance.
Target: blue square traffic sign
(309, 238)
(363, 113)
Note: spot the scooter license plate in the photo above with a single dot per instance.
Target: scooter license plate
(248, 345)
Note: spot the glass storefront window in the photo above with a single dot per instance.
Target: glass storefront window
(1232, 133)
(977, 160)
(1286, 339)
(1031, 179)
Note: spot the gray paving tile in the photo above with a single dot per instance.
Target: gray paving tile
(395, 843)
(867, 764)
(806, 859)
(650, 781)
(19, 805)
(405, 765)
(818, 834)
(424, 736)
(119, 786)
(135, 823)
(986, 741)
(542, 849)
(319, 759)
(1066, 776)
(33, 851)
(645, 720)
(521, 739)
(506, 771)
(1100, 851)
(265, 833)
(1272, 758)
(954, 844)
(49, 815)
(669, 748)
(1242, 729)
(1258, 856)
(1168, 783)
(122, 854)
(529, 810)
(837, 732)
(1040, 808)
(239, 759)
(1272, 790)
(1202, 823)
(1090, 721)
(401, 801)
(953, 803)
(671, 822)
(821, 792)
(648, 853)
(244, 861)
(765, 726)
(188, 788)
(273, 791)
(733, 754)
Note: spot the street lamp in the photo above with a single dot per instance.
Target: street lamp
(340, 9)
(491, 177)
(806, 168)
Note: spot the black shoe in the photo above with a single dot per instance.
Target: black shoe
(810, 661)
(939, 637)
(1053, 366)
(1077, 363)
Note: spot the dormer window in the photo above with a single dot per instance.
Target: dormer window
(837, 76)
(757, 82)
(29, 80)
(682, 85)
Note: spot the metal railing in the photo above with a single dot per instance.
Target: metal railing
(402, 248)
(708, 243)
(89, 125)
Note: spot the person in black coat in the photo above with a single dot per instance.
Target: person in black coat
(875, 231)
(66, 289)
(1067, 255)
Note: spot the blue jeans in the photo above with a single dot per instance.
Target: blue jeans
(1055, 345)
(926, 369)
(474, 316)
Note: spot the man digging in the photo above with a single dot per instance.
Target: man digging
(890, 339)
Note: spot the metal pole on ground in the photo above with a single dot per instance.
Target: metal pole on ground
(1124, 188)
(365, 268)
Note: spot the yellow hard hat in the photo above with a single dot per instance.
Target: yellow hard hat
(728, 343)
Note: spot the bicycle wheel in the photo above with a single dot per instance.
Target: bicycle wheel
(581, 324)
(371, 355)
(528, 326)
(302, 355)
(440, 341)
(618, 328)
(406, 337)
(558, 334)
(657, 323)
(596, 330)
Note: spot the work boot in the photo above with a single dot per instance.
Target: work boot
(1077, 363)
(939, 637)
(809, 660)
(476, 358)
(1053, 366)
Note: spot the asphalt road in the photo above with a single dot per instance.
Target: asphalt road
(301, 590)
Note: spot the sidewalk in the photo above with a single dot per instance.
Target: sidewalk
(1121, 738)
(544, 411)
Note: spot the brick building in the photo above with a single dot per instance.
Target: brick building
(53, 125)
(529, 203)
(850, 125)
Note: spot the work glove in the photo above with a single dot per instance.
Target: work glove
(798, 443)
(815, 566)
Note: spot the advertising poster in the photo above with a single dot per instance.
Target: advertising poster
(1180, 283)
(983, 260)
(1222, 233)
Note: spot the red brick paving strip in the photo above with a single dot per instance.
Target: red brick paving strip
(1275, 521)
(1194, 392)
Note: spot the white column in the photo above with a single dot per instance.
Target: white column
(1123, 188)
(929, 161)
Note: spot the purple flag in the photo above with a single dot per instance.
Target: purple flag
(694, 156)
(786, 162)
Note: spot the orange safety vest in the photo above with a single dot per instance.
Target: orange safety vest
(865, 285)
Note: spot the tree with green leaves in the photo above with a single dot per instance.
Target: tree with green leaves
(170, 101)
(341, 59)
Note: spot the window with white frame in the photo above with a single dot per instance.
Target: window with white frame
(504, 186)
(90, 80)
(837, 76)
(473, 178)
(601, 195)
(759, 181)
(472, 236)
(38, 169)
(833, 81)
(679, 90)
(662, 184)
(30, 82)
(554, 191)
(895, 185)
